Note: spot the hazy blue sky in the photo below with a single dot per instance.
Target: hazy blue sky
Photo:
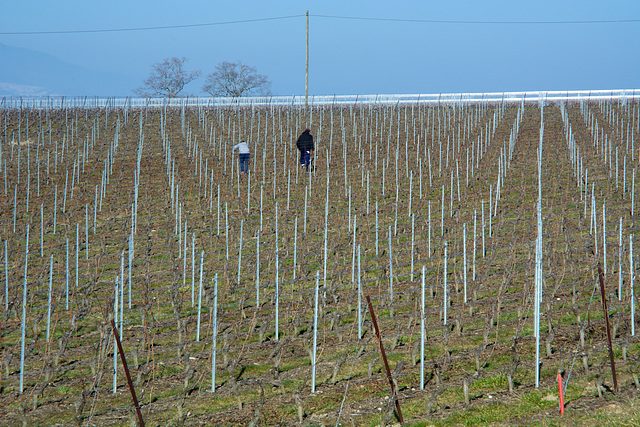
(351, 56)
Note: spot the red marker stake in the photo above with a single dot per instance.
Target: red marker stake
(561, 397)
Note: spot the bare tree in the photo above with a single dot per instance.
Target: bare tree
(236, 79)
(167, 78)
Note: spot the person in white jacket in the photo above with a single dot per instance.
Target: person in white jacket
(244, 155)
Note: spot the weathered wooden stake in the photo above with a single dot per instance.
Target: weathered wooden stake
(386, 362)
(606, 318)
(126, 371)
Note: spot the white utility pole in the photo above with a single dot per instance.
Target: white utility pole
(306, 74)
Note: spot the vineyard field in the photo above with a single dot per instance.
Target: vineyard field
(240, 299)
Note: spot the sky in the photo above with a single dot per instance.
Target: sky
(355, 47)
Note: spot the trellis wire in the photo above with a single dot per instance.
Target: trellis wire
(77, 256)
(66, 276)
(55, 210)
(64, 199)
(295, 247)
(484, 252)
(304, 223)
(326, 234)
(199, 296)
(377, 229)
(130, 264)
(359, 295)
(445, 300)
(413, 243)
(442, 212)
(86, 230)
(631, 279)
(42, 229)
(390, 268)
(633, 190)
(315, 335)
(122, 281)
(620, 263)
(604, 236)
(353, 256)
(277, 286)
(240, 250)
(49, 296)
(115, 348)
(218, 212)
(475, 237)
(23, 323)
(422, 330)
(15, 207)
(429, 233)
(226, 227)
(6, 277)
(184, 259)
(248, 190)
(121, 304)
(464, 255)
(538, 271)
(490, 203)
(258, 269)
(349, 211)
(193, 267)
(261, 211)
(214, 325)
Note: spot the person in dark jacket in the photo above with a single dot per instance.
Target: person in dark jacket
(306, 147)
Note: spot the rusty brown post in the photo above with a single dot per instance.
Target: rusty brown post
(384, 358)
(126, 371)
(606, 318)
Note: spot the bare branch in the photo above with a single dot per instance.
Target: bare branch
(168, 78)
(236, 79)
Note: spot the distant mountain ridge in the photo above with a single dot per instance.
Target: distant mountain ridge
(26, 72)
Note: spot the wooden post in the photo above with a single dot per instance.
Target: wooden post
(306, 73)
(126, 371)
(384, 359)
(606, 318)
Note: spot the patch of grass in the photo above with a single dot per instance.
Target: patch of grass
(489, 384)
(495, 412)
